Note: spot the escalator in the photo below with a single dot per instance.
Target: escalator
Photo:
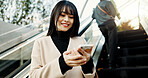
(132, 51)
(132, 56)
(11, 39)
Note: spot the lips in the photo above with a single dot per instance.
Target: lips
(65, 24)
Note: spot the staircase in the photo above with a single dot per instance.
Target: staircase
(132, 57)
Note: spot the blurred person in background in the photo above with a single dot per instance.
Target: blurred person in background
(105, 13)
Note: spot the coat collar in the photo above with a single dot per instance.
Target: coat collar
(68, 48)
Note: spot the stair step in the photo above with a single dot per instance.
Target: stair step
(132, 37)
(134, 43)
(138, 60)
(130, 32)
(133, 51)
(132, 59)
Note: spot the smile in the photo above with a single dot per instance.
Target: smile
(65, 24)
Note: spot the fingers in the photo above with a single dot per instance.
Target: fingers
(76, 62)
(76, 52)
(81, 51)
(77, 57)
(67, 52)
(74, 59)
(85, 54)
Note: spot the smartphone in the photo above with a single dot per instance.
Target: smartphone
(87, 47)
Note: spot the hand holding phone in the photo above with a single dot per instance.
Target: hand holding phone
(87, 47)
(85, 51)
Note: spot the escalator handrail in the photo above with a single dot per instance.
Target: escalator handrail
(85, 28)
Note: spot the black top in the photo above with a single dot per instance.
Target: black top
(61, 40)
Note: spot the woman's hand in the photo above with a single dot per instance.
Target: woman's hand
(73, 58)
(87, 55)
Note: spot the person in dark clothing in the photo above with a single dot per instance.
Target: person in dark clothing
(104, 13)
(56, 55)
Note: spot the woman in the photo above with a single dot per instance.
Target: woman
(56, 55)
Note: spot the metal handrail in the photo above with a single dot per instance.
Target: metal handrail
(21, 45)
(85, 28)
(97, 52)
(12, 30)
(22, 27)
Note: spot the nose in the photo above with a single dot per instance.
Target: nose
(66, 18)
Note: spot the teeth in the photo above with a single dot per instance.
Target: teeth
(65, 24)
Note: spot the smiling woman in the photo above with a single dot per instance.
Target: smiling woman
(65, 21)
(59, 49)
(66, 17)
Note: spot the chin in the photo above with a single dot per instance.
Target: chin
(63, 30)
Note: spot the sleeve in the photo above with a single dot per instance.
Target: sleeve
(37, 70)
(111, 8)
(64, 67)
(87, 68)
(89, 75)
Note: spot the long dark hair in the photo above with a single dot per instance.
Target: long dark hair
(57, 10)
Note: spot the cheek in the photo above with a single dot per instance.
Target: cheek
(58, 21)
(72, 21)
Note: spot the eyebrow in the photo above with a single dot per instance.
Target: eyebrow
(66, 13)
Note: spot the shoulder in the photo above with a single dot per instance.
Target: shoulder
(78, 39)
(43, 39)
(106, 2)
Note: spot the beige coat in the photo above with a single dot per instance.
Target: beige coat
(44, 60)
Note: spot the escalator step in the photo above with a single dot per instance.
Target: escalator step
(125, 72)
(134, 43)
(130, 32)
(138, 60)
(133, 51)
(132, 37)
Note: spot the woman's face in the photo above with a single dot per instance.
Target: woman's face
(65, 21)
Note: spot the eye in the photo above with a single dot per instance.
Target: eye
(62, 15)
(71, 16)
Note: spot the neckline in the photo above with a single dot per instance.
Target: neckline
(61, 34)
(69, 44)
